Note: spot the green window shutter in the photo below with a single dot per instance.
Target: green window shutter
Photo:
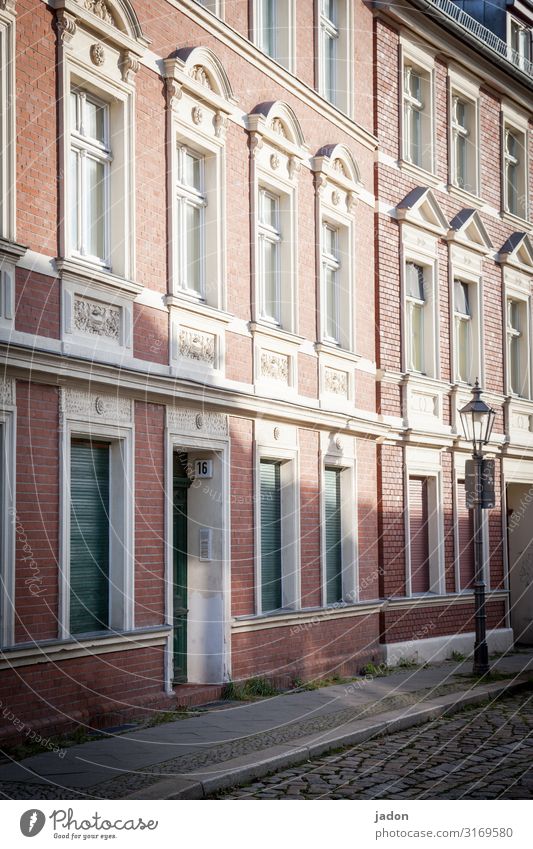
(332, 485)
(270, 536)
(89, 537)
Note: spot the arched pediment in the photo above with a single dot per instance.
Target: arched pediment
(276, 118)
(116, 19)
(118, 13)
(339, 162)
(205, 68)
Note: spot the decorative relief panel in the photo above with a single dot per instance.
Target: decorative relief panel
(196, 345)
(7, 393)
(199, 73)
(194, 422)
(275, 366)
(336, 382)
(101, 10)
(97, 319)
(94, 406)
(424, 404)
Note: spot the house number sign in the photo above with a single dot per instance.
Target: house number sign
(203, 468)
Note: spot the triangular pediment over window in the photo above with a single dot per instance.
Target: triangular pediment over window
(421, 208)
(468, 229)
(518, 252)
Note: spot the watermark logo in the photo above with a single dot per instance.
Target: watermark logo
(32, 822)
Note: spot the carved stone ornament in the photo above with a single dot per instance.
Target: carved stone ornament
(173, 92)
(198, 346)
(274, 161)
(65, 26)
(7, 393)
(190, 421)
(256, 144)
(89, 406)
(96, 319)
(275, 366)
(8, 5)
(335, 198)
(278, 127)
(101, 10)
(199, 73)
(277, 433)
(351, 201)
(129, 66)
(336, 382)
(338, 444)
(197, 115)
(221, 124)
(339, 167)
(97, 54)
(293, 166)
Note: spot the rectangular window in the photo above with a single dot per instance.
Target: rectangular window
(517, 348)
(419, 535)
(415, 318)
(271, 555)
(191, 201)
(417, 129)
(463, 331)
(514, 172)
(464, 143)
(520, 43)
(331, 269)
(90, 163)
(268, 27)
(333, 533)
(89, 537)
(329, 36)
(269, 237)
(465, 539)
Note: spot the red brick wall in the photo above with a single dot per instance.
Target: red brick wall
(367, 520)
(392, 532)
(92, 691)
(150, 334)
(310, 518)
(37, 304)
(37, 476)
(149, 514)
(426, 622)
(338, 646)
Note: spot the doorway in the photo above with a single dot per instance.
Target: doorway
(181, 483)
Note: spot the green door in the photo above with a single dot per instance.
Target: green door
(332, 486)
(270, 536)
(89, 537)
(181, 485)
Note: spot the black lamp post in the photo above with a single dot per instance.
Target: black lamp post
(477, 419)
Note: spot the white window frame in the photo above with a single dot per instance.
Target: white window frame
(8, 518)
(8, 141)
(272, 235)
(290, 524)
(429, 320)
(331, 263)
(87, 148)
(186, 196)
(340, 29)
(425, 463)
(214, 6)
(515, 122)
(524, 35)
(524, 334)
(120, 434)
(344, 459)
(413, 59)
(283, 50)
(475, 294)
(466, 91)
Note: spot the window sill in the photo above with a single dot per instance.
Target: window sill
(336, 351)
(428, 178)
(74, 269)
(54, 651)
(472, 199)
(264, 329)
(515, 220)
(300, 618)
(197, 307)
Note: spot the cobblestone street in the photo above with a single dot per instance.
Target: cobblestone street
(482, 753)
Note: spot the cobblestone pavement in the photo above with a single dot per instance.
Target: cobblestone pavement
(484, 752)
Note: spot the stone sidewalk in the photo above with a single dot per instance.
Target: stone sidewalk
(228, 745)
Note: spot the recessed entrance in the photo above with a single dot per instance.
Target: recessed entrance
(520, 542)
(181, 483)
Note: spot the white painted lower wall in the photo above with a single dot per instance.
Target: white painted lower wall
(434, 649)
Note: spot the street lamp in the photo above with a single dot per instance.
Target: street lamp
(477, 419)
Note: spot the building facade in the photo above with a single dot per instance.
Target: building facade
(251, 263)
